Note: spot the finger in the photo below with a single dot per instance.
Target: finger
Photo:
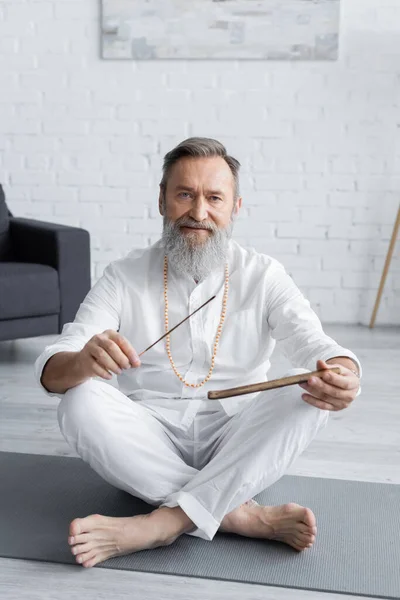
(104, 360)
(318, 403)
(322, 365)
(318, 388)
(115, 352)
(345, 382)
(98, 370)
(126, 347)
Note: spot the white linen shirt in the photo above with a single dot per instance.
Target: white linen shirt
(264, 306)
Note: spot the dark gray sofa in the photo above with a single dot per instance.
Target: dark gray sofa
(44, 274)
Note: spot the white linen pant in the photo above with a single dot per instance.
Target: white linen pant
(210, 469)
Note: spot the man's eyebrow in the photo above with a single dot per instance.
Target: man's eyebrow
(185, 187)
(191, 189)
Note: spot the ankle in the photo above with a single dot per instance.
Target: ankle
(172, 522)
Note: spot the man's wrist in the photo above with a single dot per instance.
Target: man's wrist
(346, 362)
(78, 369)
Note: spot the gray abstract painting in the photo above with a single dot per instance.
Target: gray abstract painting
(221, 29)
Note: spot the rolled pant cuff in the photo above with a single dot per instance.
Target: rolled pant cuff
(207, 526)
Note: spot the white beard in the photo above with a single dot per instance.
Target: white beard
(190, 256)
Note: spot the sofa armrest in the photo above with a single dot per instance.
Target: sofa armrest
(66, 249)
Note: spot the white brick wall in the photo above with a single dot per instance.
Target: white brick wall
(82, 140)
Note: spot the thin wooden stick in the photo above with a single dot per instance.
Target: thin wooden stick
(171, 330)
(386, 268)
(268, 385)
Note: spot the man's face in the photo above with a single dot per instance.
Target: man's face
(200, 195)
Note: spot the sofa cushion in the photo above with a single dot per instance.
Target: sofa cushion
(4, 226)
(28, 290)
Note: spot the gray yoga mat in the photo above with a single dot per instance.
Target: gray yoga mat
(357, 549)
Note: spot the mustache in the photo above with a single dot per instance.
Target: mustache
(187, 222)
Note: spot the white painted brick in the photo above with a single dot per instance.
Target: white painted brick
(278, 182)
(165, 127)
(359, 280)
(303, 198)
(70, 220)
(275, 213)
(128, 178)
(353, 232)
(257, 228)
(319, 296)
(355, 263)
(78, 178)
(325, 215)
(347, 314)
(273, 246)
(131, 162)
(40, 162)
(145, 226)
(12, 161)
(324, 248)
(126, 145)
(126, 209)
(314, 163)
(369, 247)
(32, 177)
(296, 262)
(264, 198)
(54, 194)
(102, 194)
(113, 127)
(39, 209)
(316, 279)
(344, 165)
(378, 183)
(384, 213)
(348, 199)
(80, 143)
(301, 230)
(330, 182)
(16, 125)
(18, 208)
(14, 94)
(108, 224)
(36, 11)
(66, 126)
(125, 242)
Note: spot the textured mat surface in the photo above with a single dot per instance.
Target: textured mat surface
(357, 549)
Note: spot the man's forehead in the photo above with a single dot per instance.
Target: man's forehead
(189, 171)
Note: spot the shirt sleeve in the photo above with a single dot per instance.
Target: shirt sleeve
(100, 310)
(296, 327)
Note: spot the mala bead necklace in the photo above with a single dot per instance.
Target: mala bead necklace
(217, 337)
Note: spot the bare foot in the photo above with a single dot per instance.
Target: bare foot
(96, 538)
(290, 523)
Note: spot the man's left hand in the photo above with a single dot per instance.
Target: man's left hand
(332, 391)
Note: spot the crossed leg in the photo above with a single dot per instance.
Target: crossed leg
(104, 427)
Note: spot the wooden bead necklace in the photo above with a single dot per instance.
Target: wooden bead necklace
(219, 330)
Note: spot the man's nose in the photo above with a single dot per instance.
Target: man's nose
(198, 211)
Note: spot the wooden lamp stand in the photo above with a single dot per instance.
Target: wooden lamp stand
(386, 268)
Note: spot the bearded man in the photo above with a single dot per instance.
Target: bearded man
(157, 436)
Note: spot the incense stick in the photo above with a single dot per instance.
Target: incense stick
(171, 330)
(268, 385)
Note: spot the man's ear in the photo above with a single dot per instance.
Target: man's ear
(238, 206)
(161, 201)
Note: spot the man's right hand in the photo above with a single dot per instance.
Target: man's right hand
(104, 352)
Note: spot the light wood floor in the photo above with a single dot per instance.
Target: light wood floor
(361, 443)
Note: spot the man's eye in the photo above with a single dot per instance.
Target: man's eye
(184, 194)
(215, 198)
